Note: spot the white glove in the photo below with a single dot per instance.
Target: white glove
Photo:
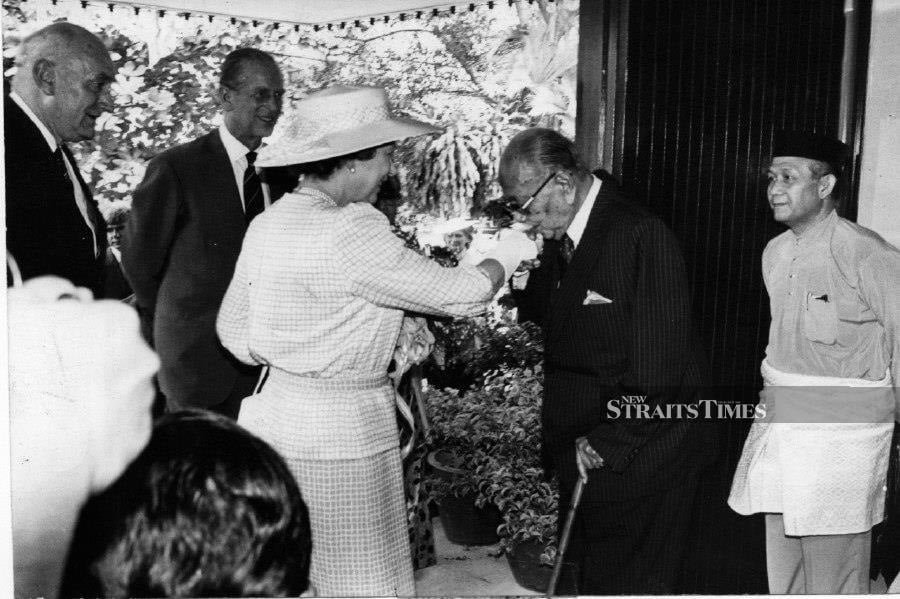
(512, 248)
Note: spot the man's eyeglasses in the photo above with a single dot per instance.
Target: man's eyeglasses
(262, 96)
(512, 203)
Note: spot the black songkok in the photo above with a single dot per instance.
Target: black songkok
(810, 145)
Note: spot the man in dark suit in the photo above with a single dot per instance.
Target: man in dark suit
(60, 88)
(184, 235)
(612, 295)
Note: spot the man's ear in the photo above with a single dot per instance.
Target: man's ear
(223, 97)
(826, 185)
(44, 74)
(566, 180)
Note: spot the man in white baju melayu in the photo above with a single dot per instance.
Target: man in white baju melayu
(817, 466)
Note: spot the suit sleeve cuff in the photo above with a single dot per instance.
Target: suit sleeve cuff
(616, 456)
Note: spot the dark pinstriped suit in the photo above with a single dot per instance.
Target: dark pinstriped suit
(635, 510)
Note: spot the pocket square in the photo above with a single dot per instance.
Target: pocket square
(593, 298)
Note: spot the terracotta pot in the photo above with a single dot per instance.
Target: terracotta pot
(463, 522)
(525, 563)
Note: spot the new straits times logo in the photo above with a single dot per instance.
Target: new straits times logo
(636, 407)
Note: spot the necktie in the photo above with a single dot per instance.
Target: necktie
(567, 248)
(253, 197)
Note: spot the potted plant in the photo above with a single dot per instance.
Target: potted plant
(487, 450)
(468, 427)
(466, 518)
(460, 431)
(511, 476)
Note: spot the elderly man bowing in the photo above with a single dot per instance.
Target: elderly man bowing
(818, 468)
(611, 292)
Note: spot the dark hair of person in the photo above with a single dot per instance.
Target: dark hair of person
(281, 179)
(230, 75)
(390, 188)
(324, 169)
(206, 510)
(389, 197)
(117, 217)
(546, 147)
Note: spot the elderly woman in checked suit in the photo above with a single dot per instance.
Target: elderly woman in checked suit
(318, 296)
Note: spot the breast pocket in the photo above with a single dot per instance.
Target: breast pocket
(820, 318)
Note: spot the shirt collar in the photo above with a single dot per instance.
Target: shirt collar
(235, 149)
(48, 136)
(578, 224)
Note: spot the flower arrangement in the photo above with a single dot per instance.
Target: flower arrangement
(414, 344)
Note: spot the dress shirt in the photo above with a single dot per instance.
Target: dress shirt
(237, 154)
(80, 199)
(576, 227)
(835, 300)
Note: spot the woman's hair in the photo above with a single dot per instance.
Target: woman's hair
(281, 179)
(323, 169)
(206, 510)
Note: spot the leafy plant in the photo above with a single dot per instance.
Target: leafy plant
(493, 431)
(465, 350)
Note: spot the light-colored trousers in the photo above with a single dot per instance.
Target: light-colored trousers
(816, 564)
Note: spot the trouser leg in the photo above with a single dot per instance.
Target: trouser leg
(816, 564)
(634, 546)
(837, 564)
(784, 559)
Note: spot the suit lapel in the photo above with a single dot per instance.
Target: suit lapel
(222, 182)
(93, 212)
(567, 296)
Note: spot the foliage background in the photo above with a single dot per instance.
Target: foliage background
(481, 75)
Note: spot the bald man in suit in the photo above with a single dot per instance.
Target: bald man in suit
(60, 88)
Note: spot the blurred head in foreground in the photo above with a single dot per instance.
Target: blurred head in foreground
(206, 510)
(80, 391)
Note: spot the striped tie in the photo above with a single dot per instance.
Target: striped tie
(567, 248)
(253, 197)
(566, 251)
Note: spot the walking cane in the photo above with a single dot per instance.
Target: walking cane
(564, 540)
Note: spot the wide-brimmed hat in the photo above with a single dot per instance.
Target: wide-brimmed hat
(336, 121)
